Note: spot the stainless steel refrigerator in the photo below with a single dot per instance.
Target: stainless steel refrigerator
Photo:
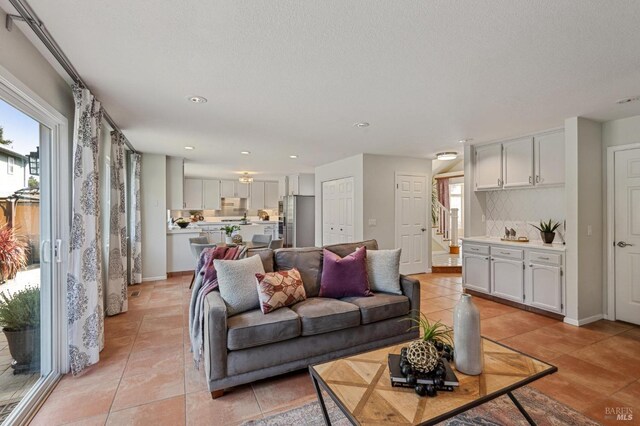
(298, 220)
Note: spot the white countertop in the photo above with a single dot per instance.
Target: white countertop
(189, 230)
(531, 244)
(254, 222)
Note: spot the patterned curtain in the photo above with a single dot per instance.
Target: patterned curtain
(443, 191)
(116, 301)
(136, 236)
(84, 278)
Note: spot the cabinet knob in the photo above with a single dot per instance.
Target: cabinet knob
(537, 178)
(530, 179)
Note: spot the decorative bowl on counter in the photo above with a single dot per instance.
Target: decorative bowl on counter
(182, 223)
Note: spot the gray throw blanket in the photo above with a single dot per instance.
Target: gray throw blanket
(206, 281)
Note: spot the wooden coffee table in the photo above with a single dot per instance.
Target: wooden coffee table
(360, 386)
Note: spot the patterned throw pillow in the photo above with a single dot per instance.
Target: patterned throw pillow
(279, 289)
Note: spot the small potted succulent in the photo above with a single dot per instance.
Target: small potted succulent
(20, 321)
(229, 230)
(13, 253)
(423, 356)
(547, 230)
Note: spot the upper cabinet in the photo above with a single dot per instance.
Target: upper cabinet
(488, 167)
(257, 195)
(520, 163)
(302, 184)
(193, 199)
(175, 183)
(517, 161)
(271, 196)
(549, 159)
(211, 194)
(234, 189)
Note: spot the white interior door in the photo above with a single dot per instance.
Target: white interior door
(345, 209)
(411, 222)
(337, 211)
(627, 235)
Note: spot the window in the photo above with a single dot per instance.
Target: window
(456, 191)
(11, 163)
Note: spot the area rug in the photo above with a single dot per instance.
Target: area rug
(500, 411)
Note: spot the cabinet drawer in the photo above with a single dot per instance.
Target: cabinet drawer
(541, 257)
(475, 249)
(507, 253)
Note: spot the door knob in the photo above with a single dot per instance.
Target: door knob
(423, 229)
(622, 244)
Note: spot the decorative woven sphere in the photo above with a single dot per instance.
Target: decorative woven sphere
(237, 239)
(423, 356)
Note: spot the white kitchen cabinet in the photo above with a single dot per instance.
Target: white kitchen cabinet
(476, 273)
(549, 159)
(292, 185)
(193, 194)
(546, 287)
(301, 184)
(283, 187)
(233, 189)
(488, 167)
(227, 189)
(517, 161)
(507, 278)
(271, 197)
(257, 196)
(175, 183)
(211, 194)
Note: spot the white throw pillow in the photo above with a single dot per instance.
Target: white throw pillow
(237, 283)
(383, 267)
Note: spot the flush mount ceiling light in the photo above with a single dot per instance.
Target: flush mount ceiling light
(189, 148)
(293, 156)
(627, 100)
(245, 178)
(198, 99)
(361, 125)
(245, 152)
(447, 155)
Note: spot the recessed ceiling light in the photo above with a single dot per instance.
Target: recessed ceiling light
(447, 155)
(361, 125)
(293, 156)
(189, 148)
(198, 99)
(465, 140)
(245, 152)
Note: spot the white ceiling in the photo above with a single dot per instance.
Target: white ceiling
(291, 77)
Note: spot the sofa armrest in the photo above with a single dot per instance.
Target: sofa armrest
(215, 336)
(411, 288)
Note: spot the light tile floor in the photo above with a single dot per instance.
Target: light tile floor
(146, 375)
(446, 259)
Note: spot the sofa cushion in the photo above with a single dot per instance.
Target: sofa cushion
(344, 276)
(266, 255)
(278, 289)
(380, 306)
(345, 249)
(308, 261)
(253, 328)
(319, 315)
(237, 283)
(383, 269)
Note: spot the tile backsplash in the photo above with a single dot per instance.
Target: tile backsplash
(518, 208)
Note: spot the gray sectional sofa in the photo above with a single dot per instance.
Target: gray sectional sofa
(251, 345)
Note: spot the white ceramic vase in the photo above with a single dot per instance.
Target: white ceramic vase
(228, 240)
(467, 341)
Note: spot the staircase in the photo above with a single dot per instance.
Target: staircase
(442, 233)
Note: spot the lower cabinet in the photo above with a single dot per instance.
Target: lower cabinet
(476, 272)
(529, 275)
(507, 278)
(546, 287)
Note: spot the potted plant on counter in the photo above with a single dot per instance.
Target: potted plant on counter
(13, 253)
(229, 230)
(547, 230)
(20, 321)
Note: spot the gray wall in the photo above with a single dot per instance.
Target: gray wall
(380, 192)
(153, 186)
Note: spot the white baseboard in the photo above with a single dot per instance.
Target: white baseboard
(583, 321)
(161, 277)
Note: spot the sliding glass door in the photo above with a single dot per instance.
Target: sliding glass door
(33, 194)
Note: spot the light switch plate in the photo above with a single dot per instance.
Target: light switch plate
(373, 222)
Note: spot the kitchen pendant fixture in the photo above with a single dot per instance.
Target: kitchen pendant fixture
(447, 155)
(245, 178)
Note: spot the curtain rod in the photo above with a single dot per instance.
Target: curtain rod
(29, 16)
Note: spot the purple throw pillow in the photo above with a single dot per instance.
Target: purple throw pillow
(345, 276)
